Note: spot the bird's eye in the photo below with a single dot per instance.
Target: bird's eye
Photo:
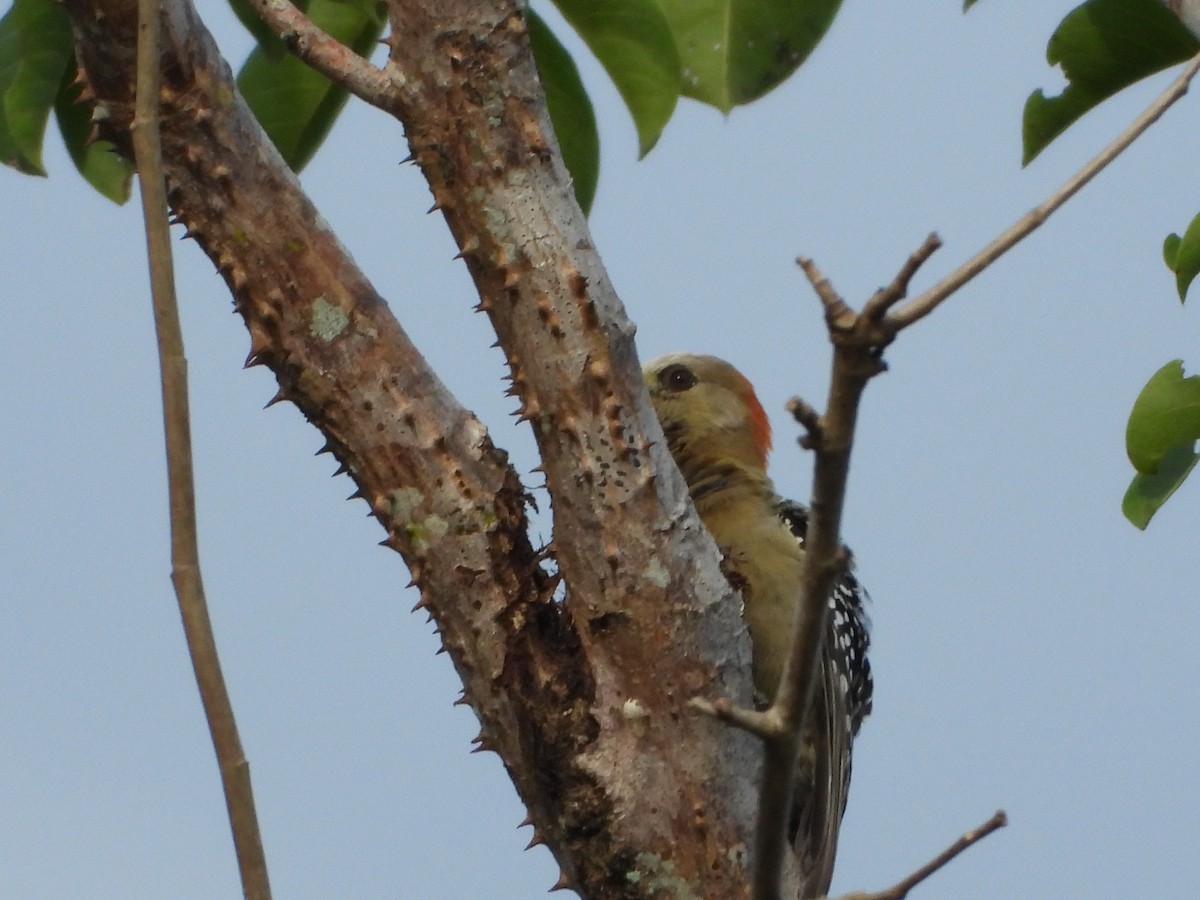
(677, 377)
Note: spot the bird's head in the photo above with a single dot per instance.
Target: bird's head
(708, 408)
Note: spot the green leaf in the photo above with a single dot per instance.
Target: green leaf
(295, 104)
(1147, 493)
(1182, 256)
(97, 161)
(1160, 438)
(1103, 47)
(570, 109)
(734, 51)
(1166, 413)
(35, 44)
(633, 42)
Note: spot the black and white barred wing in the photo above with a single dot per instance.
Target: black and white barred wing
(841, 702)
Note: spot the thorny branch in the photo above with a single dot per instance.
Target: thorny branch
(185, 553)
(550, 681)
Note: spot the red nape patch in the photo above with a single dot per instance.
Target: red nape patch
(760, 427)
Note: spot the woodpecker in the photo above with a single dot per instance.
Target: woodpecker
(719, 435)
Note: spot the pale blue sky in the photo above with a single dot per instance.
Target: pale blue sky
(1032, 650)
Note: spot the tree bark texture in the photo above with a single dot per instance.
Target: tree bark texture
(584, 698)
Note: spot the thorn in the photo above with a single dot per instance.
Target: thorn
(525, 821)
(420, 604)
(440, 651)
(534, 841)
(482, 744)
(357, 495)
(325, 448)
(436, 206)
(252, 359)
(279, 395)
(562, 884)
(470, 245)
(412, 156)
(342, 469)
(462, 700)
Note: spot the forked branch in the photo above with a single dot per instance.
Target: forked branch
(551, 682)
(859, 340)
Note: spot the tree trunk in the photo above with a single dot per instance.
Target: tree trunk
(584, 697)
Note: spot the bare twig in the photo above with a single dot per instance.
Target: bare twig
(900, 890)
(885, 298)
(858, 339)
(806, 416)
(928, 301)
(326, 54)
(185, 556)
(838, 314)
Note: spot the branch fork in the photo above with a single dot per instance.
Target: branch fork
(873, 328)
(858, 340)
